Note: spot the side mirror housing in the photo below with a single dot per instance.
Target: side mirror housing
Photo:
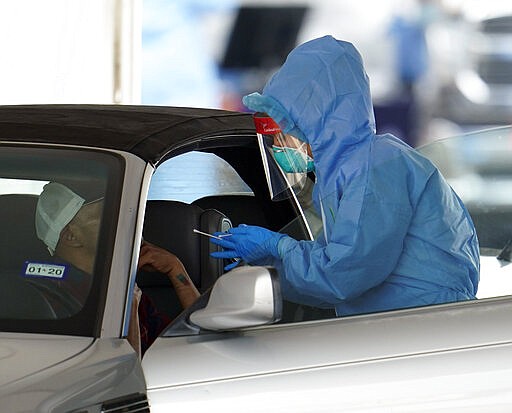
(244, 297)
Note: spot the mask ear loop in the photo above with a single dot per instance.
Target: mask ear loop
(290, 141)
(280, 140)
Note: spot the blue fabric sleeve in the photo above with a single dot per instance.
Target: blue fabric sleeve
(289, 291)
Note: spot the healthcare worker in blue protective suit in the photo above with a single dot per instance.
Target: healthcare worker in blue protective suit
(395, 234)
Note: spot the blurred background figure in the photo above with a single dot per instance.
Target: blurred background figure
(178, 68)
(259, 39)
(408, 31)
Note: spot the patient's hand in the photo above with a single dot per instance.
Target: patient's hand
(153, 258)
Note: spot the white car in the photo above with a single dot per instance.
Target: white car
(240, 347)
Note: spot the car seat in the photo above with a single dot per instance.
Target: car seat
(19, 244)
(169, 225)
(241, 209)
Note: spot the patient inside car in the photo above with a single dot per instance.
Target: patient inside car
(69, 227)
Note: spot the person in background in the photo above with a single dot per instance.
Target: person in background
(395, 234)
(408, 31)
(69, 227)
(178, 66)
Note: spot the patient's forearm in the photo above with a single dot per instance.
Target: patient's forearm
(183, 285)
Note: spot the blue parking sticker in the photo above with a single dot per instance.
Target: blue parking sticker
(46, 270)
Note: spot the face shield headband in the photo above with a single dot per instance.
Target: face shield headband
(285, 158)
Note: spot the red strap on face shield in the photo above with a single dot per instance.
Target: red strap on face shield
(265, 124)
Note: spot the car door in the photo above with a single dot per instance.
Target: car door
(453, 357)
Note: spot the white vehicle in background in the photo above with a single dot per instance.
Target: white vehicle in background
(472, 59)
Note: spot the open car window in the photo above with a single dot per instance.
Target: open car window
(46, 293)
(230, 180)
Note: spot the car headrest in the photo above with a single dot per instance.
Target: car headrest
(170, 224)
(18, 240)
(241, 209)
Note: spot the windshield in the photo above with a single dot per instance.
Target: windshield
(478, 166)
(57, 214)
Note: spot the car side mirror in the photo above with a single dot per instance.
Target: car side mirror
(244, 297)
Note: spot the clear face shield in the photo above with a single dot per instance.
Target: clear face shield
(286, 159)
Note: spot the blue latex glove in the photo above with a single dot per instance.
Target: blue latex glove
(247, 242)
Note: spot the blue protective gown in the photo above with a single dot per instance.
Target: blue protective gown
(395, 234)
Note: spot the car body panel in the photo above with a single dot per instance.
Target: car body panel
(127, 240)
(25, 354)
(437, 382)
(99, 370)
(346, 350)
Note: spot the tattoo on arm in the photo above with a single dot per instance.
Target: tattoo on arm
(182, 279)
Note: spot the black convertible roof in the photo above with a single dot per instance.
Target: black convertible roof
(146, 131)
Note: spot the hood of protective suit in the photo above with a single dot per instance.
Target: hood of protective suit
(325, 90)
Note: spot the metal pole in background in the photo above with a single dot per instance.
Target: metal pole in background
(127, 31)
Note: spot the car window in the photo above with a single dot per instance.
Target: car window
(23, 186)
(48, 292)
(209, 181)
(478, 166)
(194, 175)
